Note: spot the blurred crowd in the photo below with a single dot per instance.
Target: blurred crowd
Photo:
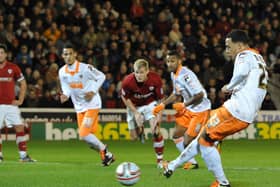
(112, 34)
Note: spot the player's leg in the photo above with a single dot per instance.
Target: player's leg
(183, 121)
(220, 125)
(154, 122)
(187, 154)
(132, 126)
(178, 137)
(13, 118)
(191, 150)
(88, 124)
(158, 141)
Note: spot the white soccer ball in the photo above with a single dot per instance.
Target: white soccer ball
(128, 173)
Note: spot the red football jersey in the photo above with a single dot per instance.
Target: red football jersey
(9, 74)
(142, 93)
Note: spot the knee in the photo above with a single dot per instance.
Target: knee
(19, 128)
(156, 134)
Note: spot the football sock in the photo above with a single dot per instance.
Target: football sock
(159, 147)
(213, 161)
(94, 142)
(180, 146)
(179, 142)
(21, 143)
(189, 152)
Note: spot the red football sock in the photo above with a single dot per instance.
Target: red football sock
(21, 141)
(159, 147)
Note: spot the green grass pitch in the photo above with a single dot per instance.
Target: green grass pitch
(73, 164)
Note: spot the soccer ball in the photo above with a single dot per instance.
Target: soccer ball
(128, 173)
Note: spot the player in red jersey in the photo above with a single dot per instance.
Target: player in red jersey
(9, 111)
(141, 91)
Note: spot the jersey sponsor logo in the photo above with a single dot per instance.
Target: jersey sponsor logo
(140, 96)
(76, 85)
(10, 71)
(5, 79)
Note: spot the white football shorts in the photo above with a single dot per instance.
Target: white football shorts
(10, 116)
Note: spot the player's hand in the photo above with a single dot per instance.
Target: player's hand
(178, 106)
(139, 118)
(89, 95)
(158, 108)
(17, 102)
(63, 98)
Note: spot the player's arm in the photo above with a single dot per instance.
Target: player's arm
(22, 85)
(170, 99)
(190, 83)
(64, 96)
(97, 77)
(128, 103)
(22, 91)
(159, 94)
(196, 99)
(138, 116)
(241, 71)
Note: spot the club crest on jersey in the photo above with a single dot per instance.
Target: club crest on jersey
(151, 88)
(187, 78)
(10, 71)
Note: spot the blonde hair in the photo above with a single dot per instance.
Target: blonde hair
(141, 63)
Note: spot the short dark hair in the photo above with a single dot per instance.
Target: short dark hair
(238, 36)
(173, 53)
(4, 47)
(69, 45)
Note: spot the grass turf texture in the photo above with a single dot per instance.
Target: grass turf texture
(72, 163)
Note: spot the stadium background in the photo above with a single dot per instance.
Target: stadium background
(110, 35)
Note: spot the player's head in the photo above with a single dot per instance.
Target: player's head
(69, 53)
(3, 53)
(173, 61)
(236, 41)
(141, 70)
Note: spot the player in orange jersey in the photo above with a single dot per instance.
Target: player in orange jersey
(248, 89)
(193, 112)
(81, 82)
